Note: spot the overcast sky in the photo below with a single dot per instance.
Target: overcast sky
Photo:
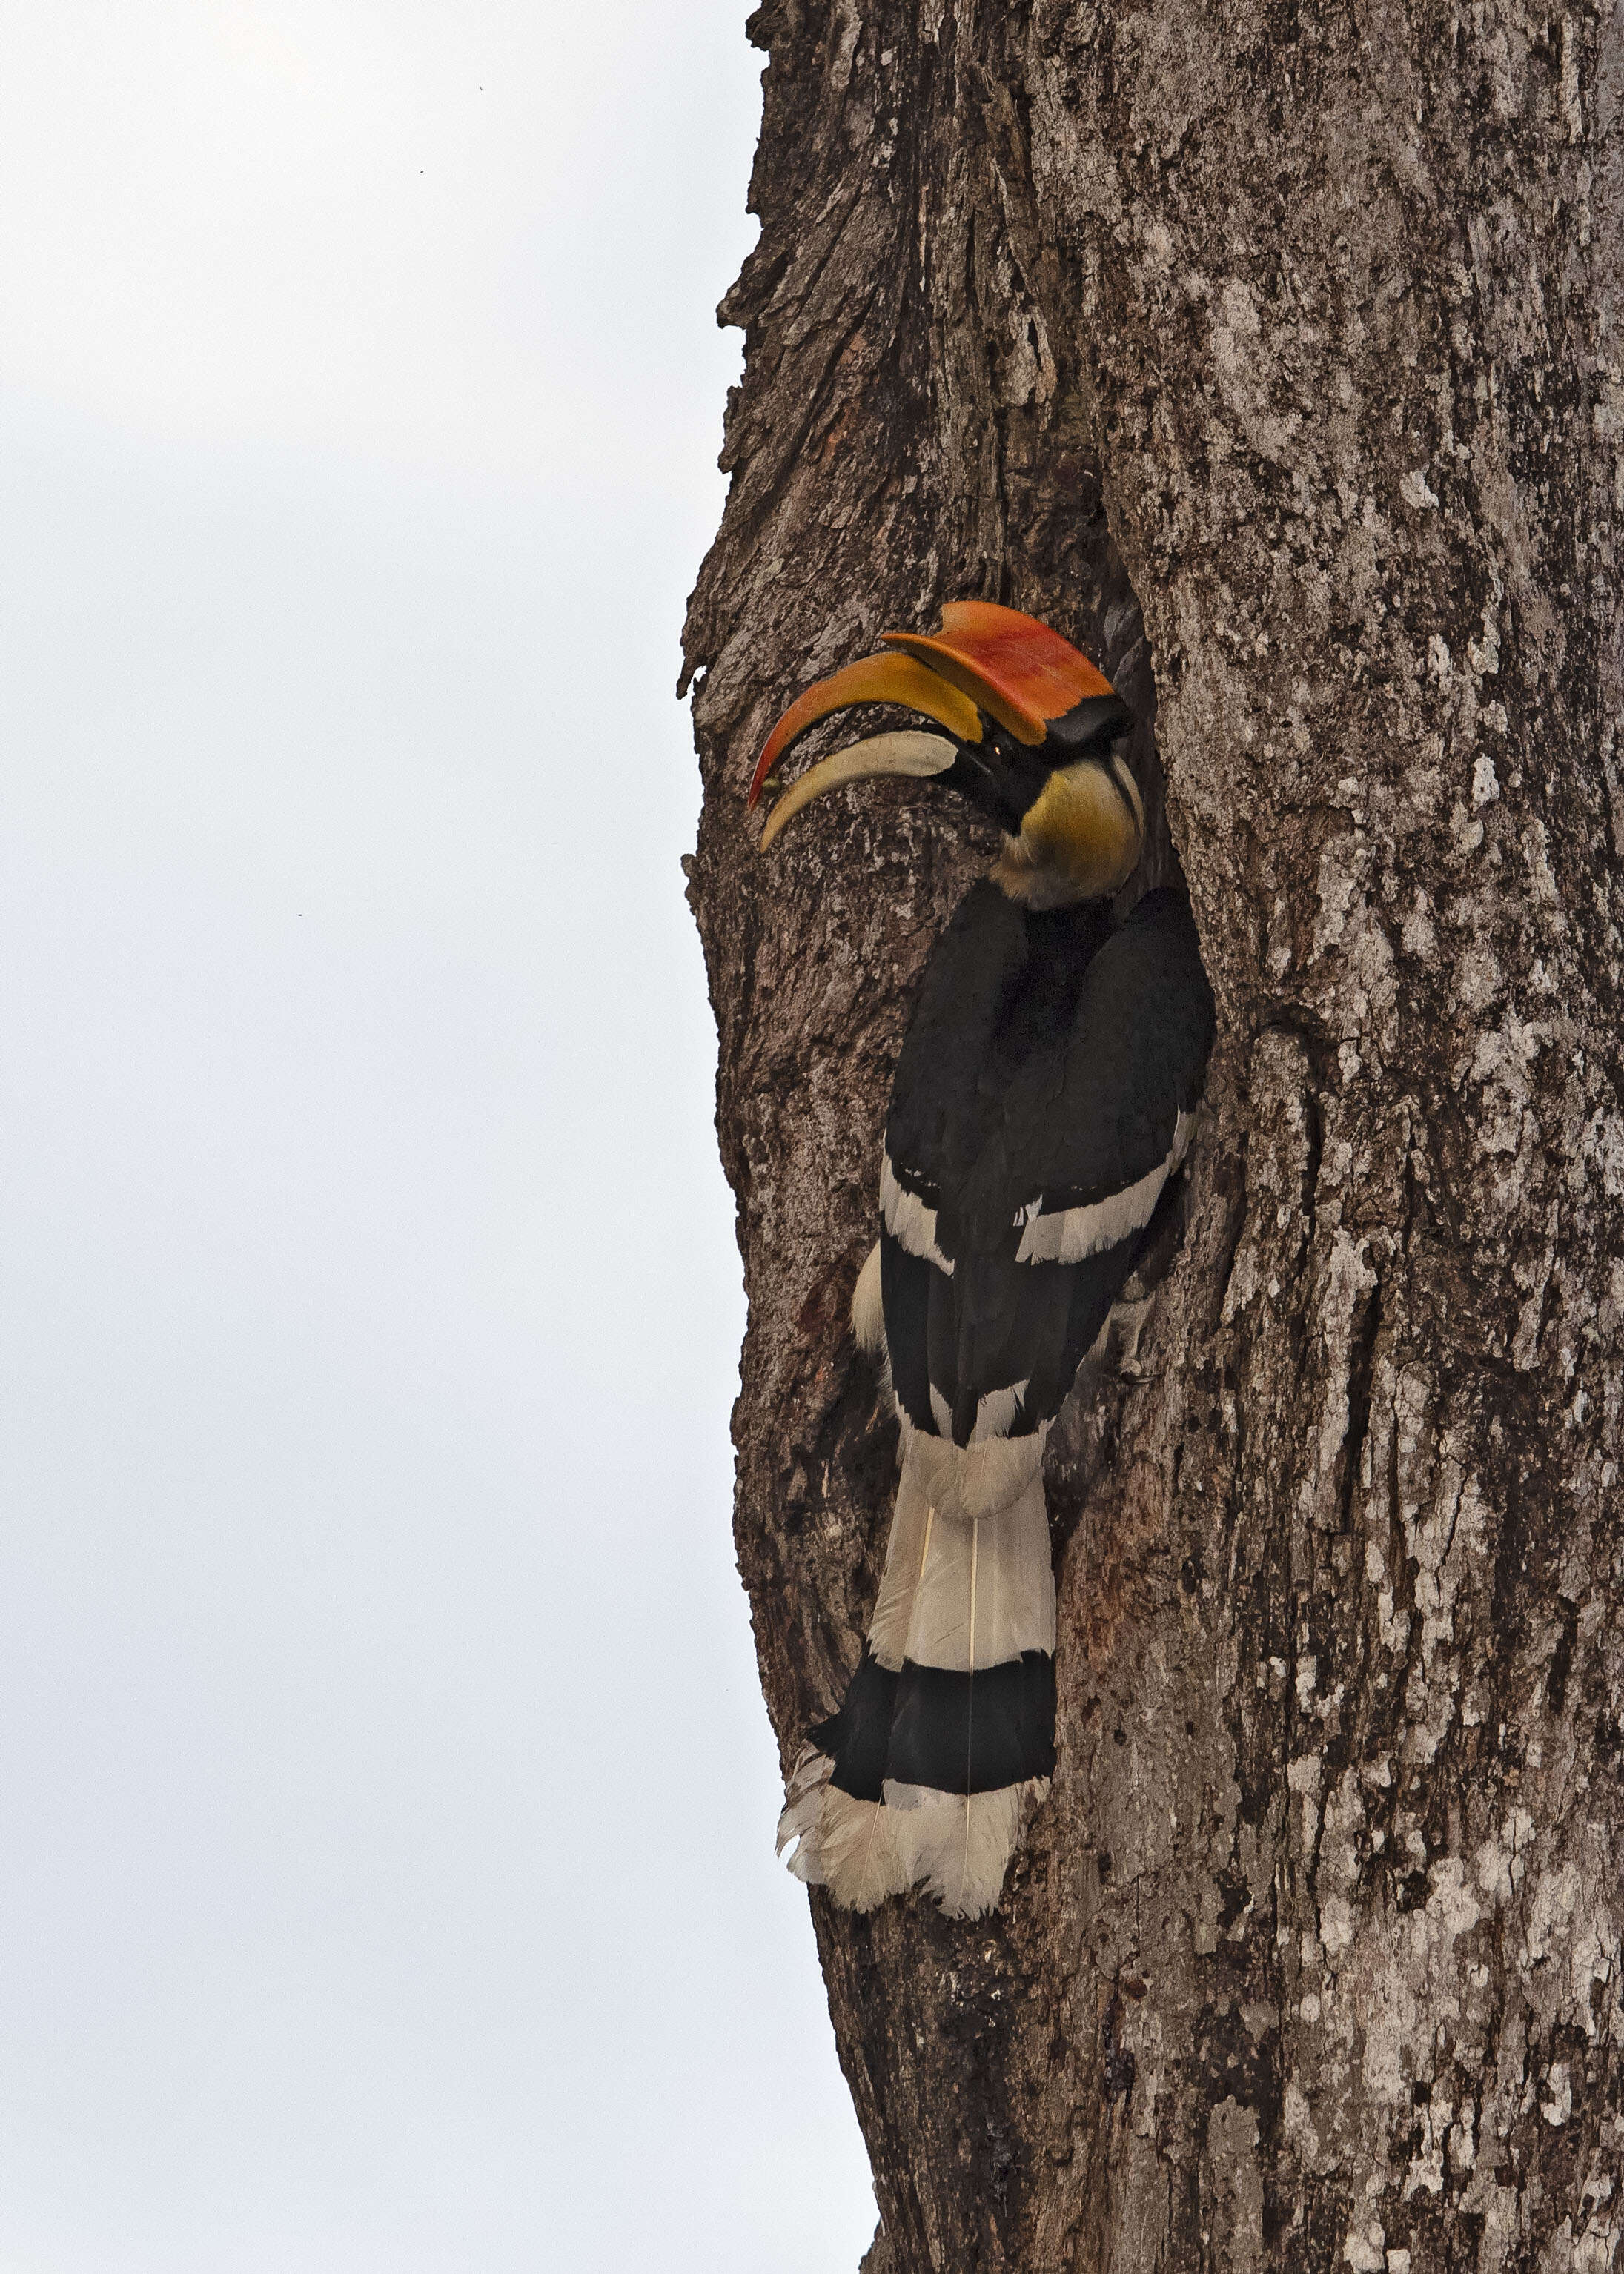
(386, 1870)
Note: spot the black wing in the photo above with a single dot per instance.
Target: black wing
(1040, 1102)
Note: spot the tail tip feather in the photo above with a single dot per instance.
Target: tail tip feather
(852, 1847)
(961, 1844)
(957, 1845)
(803, 1796)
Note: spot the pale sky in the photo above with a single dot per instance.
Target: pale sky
(387, 1880)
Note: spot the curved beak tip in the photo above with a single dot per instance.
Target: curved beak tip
(887, 677)
(911, 754)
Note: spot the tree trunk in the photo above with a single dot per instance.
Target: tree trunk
(1270, 354)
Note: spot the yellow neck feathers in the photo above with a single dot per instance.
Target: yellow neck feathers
(1078, 841)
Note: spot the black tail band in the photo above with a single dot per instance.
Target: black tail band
(952, 1732)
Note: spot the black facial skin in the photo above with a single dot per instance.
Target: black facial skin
(1002, 777)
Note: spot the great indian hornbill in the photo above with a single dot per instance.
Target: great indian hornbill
(1042, 1099)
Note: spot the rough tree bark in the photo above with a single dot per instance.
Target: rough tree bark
(1270, 352)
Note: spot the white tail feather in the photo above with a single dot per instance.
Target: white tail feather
(804, 1795)
(851, 1847)
(987, 1591)
(960, 1844)
(912, 1526)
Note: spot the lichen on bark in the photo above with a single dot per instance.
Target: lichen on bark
(1272, 356)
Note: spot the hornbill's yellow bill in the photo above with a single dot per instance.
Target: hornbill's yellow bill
(877, 679)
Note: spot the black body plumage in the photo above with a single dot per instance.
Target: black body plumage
(1045, 1070)
(1040, 1105)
